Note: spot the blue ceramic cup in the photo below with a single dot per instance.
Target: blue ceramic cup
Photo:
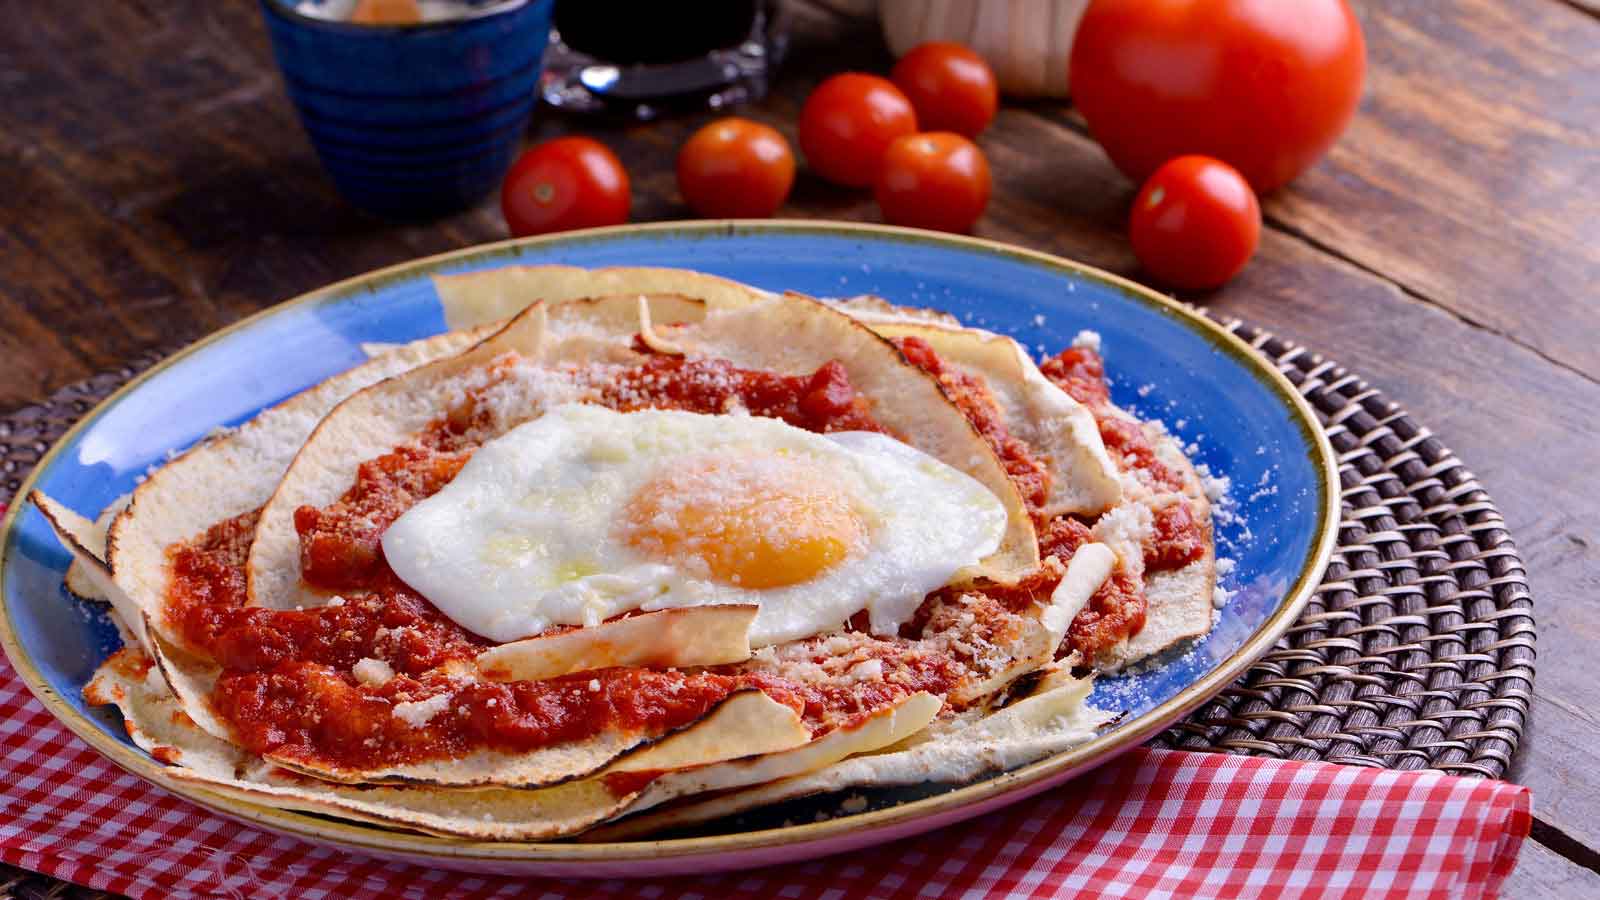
(413, 121)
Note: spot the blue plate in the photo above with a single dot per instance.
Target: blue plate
(1243, 419)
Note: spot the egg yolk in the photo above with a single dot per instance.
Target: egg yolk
(752, 522)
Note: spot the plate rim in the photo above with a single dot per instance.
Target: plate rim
(376, 838)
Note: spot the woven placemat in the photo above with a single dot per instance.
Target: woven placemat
(1416, 651)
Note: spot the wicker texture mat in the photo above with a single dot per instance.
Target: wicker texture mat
(1416, 652)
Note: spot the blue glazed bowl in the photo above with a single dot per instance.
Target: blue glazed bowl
(413, 121)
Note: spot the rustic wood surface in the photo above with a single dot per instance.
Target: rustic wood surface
(156, 187)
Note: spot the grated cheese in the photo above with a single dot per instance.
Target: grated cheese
(418, 713)
(866, 670)
(372, 672)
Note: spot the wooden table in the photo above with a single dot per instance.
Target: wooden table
(157, 186)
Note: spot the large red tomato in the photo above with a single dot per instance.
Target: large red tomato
(1263, 85)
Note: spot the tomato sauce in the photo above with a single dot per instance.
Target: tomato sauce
(1176, 539)
(621, 784)
(971, 395)
(1117, 610)
(339, 545)
(1062, 537)
(287, 685)
(821, 402)
(303, 710)
(1082, 374)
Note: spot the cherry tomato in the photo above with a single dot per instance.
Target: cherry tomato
(951, 87)
(570, 182)
(1195, 223)
(937, 180)
(735, 168)
(847, 123)
(1265, 86)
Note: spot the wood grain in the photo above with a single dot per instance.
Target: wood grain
(160, 188)
(1542, 874)
(157, 187)
(1472, 175)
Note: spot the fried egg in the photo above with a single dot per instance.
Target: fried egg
(585, 513)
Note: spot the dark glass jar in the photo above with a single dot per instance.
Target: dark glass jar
(643, 59)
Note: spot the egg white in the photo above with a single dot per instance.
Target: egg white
(525, 536)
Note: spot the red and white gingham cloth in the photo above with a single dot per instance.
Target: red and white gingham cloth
(1152, 823)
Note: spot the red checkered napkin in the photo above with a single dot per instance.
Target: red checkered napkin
(1152, 823)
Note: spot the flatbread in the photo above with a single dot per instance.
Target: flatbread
(1088, 569)
(1024, 732)
(238, 471)
(1039, 413)
(1085, 481)
(378, 417)
(1056, 427)
(883, 728)
(79, 581)
(690, 636)
(473, 299)
(79, 535)
(689, 761)
(158, 723)
(1180, 600)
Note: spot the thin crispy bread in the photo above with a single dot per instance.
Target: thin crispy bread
(86, 543)
(472, 299)
(686, 763)
(387, 414)
(1085, 482)
(233, 474)
(79, 580)
(883, 728)
(1180, 600)
(1058, 428)
(158, 723)
(240, 471)
(690, 636)
(1024, 732)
